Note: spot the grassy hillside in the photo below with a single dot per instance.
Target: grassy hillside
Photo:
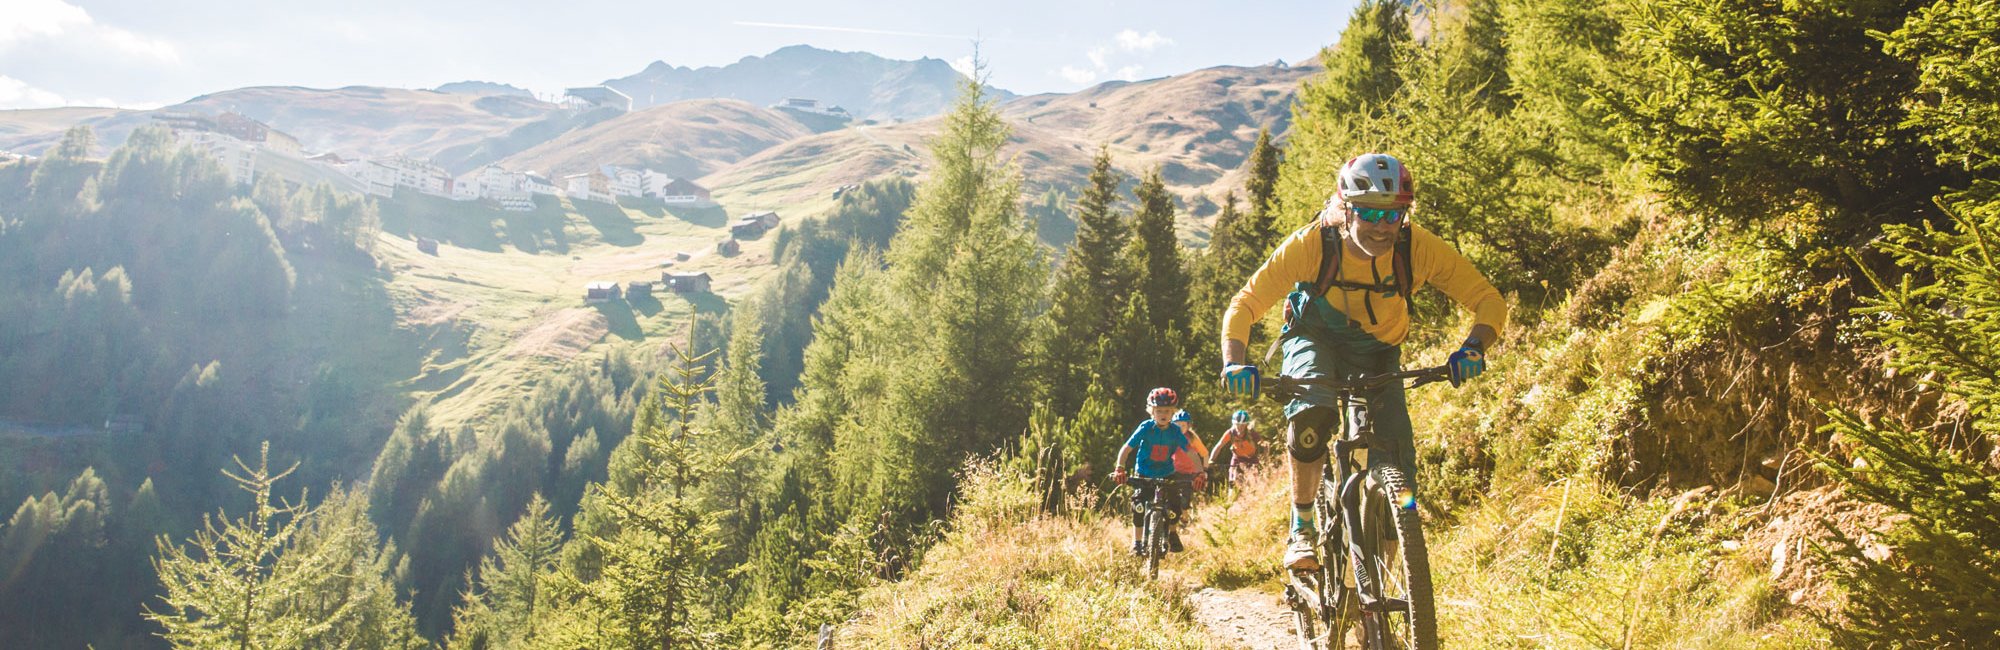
(33, 130)
(1003, 577)
(1197, 128)
(502, 303)
(682, 139)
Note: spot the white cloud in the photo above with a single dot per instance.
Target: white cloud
(32, 21)
(15, 93)
(37, 18)
(1076, 75)
(1132, 41)
(963, 65)
(1126, 44)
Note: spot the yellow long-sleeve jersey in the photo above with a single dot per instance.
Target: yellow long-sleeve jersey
(1432, 262)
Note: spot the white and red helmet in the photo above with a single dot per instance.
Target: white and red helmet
(1376, 180)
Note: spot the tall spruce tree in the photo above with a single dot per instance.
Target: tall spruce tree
(1938, 584)
(283, 576)
(1341, 113)
(1155, 252)
(506, 603)
(1092, 280)
(654, 582)
(1261, 229)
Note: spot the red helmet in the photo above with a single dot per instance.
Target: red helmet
(1162, 396)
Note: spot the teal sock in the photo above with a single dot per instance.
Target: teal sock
(1302, 517)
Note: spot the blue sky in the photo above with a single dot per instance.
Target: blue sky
(143, 53)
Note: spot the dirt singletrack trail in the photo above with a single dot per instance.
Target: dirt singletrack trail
(1243, 618)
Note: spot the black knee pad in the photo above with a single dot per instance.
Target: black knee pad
(1306, 434)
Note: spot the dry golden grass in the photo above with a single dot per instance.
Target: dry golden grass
(1006, 578)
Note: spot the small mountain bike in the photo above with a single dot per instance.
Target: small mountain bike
(1374, 578)
(1154, 537)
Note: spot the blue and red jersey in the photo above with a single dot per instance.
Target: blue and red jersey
(1155, 446)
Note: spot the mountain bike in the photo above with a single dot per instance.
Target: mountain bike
(1374, 578)
(1154, 537)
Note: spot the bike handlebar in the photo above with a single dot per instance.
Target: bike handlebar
(1284, 385)
(1158, 481)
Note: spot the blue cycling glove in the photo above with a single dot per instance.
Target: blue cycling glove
(1466, 363)
(1240, 379)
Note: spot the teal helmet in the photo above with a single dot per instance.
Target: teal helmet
(1183, 416)
(1240, 417)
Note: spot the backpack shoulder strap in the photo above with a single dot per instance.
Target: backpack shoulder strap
(1406, 277)
(1330, 248)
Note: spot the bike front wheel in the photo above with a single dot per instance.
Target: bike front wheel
(1403, 615)
(1156, 542)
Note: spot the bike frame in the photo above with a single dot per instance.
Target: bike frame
(1340, 508)
(1155, 518)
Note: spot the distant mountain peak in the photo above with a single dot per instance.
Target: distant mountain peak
(866, 84)
(483, 88)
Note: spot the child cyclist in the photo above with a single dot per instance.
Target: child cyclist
(1151, 452)
(1237, 448)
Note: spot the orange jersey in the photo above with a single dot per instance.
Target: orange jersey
(1242, 443)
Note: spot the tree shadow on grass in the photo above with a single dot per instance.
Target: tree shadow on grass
(706, 303)
(706, 216)
(646, 305)
(620, 319)
(540, 229)
(611, 222)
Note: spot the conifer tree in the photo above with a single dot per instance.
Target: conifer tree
(283, 576)
(1342, 113)
(1155, 252)
(1089, 285)
(955, 383)
(1938, 584)
(506, 603)
(1261, 230)
(654, 584)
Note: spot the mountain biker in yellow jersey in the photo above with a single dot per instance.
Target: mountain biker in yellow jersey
(1349, 275)
(1240, 443)
(1156, 443)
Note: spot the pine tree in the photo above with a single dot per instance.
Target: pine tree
(505, 606)
(1342, 113)
(1092, 280)
(1939, 583)
(962, 369)
(1261, 230)
(243, 582)
(653, 586)
(1155, 252)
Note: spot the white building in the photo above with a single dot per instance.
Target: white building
(624, 181)
(592, 186)
(489, 182)
(464, 189)
(810, 106)
(651, 182)
(678, 190)
(534, 183)
(237, 157)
